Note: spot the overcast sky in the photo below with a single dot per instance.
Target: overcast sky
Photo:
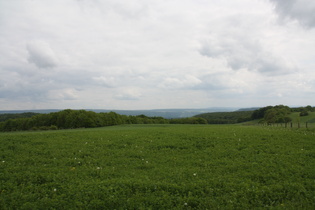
(148, 54)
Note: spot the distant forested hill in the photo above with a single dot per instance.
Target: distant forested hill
(82, 119)
(165, 113)
(227, 117)
(268, 114)
(8, 116)
(284, 114)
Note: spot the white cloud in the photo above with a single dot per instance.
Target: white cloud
(106, 81)
(240, 42)
(63, 94)
(188, 81)
(41, 54)
(146, 54)
(129, 93)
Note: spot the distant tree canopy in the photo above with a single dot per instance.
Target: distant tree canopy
(279, 113)
(260, 113)
(88, 119)
(4, 117)
(83, 119)
(226, 117)
(304, 111)
(189, 120)
(273, 114)
(307, 108)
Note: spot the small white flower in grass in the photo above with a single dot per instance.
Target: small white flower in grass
(185, 204)
(195, 174)
(55, 190)
(147, 161)
(3, 161)
(98, 168)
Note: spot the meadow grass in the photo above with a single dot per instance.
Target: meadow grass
(159, 167)
(310, 118)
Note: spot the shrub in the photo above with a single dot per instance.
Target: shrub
(303, 113)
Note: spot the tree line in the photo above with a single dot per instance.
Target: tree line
(5, 116)
(268, 114)
(279, 113)
(226, 117)
(69, 119)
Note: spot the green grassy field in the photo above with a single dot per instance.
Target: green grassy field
(159, 167)
(295, 116)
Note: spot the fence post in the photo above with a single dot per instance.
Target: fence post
(306, 124)
(291, 125)
(298, 125)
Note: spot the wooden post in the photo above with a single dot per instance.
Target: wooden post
(298, 125)
(306, 124)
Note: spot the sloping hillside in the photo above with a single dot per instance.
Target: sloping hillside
(227, 117)
(310, 118)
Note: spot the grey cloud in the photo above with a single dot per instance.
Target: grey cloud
(301, 10)
(186, 82)
(214, 82)
(243, 52)
(126, 97)
(63, 94)
(219, 82)
(124, 9)
(41, 54)
(125, 78)
(144, 54)
(134, 9)
(109, 82)
(37, 91)
(19, 89)
(41, 85)
(129, 93)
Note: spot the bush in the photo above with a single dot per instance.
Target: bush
(303, 113)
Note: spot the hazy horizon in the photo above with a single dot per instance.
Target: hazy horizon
(205, 108)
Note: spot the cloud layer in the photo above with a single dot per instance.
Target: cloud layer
(41, 55)
(146, 54)
(301, 10)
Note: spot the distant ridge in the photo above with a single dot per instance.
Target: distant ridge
(166, 113)
(248, 109)
(41, 111)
